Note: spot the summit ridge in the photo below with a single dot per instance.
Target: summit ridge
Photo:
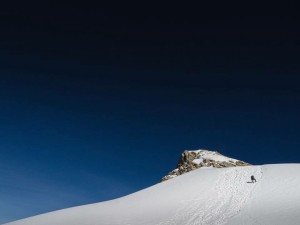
(202, 158)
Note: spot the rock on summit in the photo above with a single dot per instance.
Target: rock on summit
(194, 159)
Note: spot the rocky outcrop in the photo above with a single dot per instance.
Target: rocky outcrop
(191, 160)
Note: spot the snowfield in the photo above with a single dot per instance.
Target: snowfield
(206, 196)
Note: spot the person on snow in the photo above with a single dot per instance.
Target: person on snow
(253, 179)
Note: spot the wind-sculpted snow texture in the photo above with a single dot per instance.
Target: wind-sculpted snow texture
(207, 196)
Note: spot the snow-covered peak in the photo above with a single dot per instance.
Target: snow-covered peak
(210, 155)
(194, 159)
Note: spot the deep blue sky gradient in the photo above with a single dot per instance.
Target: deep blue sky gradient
(86, 137)
(97, 102)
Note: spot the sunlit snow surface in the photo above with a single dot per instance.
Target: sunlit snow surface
(207, 197)
(206, 154)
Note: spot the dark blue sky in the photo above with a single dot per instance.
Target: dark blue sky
(97, 103)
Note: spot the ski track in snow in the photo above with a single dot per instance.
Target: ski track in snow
(233, 189)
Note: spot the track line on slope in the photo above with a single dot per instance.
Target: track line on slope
(231, 194)
(237, 192)
(253, 220)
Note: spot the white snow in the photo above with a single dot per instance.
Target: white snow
(201, 197)
(212, 155)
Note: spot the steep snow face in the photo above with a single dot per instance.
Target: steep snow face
(191, 160)
(205, 196)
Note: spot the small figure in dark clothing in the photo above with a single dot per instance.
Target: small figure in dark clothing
(253, 179)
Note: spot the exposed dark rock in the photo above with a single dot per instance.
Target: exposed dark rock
(191, 160)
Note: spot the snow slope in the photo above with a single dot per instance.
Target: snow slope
(207, 196)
